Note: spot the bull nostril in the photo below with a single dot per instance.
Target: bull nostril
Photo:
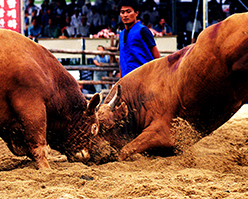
(82, 156)
(79, 156)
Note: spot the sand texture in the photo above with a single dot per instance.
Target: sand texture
(215, 167)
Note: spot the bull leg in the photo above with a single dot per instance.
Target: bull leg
(153, 136)
(32, 115)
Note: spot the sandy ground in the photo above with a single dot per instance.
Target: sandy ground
(214, 167)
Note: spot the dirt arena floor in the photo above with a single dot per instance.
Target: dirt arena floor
(215, 167)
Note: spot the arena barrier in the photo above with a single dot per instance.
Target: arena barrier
(84, 50)
(166, 45)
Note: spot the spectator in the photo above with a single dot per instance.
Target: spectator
(28, 22)
(83, 29)
(71, 7)
(68, 30)
(34, 15)
(76, 18)
(163, 27)
(47, 15)
(60, 13)
(136, 42)
(94, 20)
(120, 24)
(152, 13)
(30, 7)
(103, 6)
(51, 30)
(111, 2)
(53, 4)
(44, 6)
(98, 61)
(189, 29)
(146, 21)
(34, 31)
(115, 8)
(80, 3)
(184, 14)
(107, 19)
(147, 4)
(86, 9)
(113, 23)
(118, 29)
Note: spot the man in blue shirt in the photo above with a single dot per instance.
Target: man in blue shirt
(97, 75)
(136, 43)
(34, 31)
(163, 27)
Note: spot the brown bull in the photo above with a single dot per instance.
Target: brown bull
(204, 83)
(41, 102)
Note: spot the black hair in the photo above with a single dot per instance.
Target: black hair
(101, 46)
(132, 3)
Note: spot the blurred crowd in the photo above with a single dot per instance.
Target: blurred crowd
(80, 18)
(58, 19)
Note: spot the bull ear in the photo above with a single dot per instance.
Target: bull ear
(101, 98)
(93, 103)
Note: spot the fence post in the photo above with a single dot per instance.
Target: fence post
(112, 58)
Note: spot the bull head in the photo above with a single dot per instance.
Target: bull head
(110, 113)
(111, 117)
(79, 141)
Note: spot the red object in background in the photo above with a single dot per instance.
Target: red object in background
(10, 15)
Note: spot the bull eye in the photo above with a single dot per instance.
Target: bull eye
(94, 129)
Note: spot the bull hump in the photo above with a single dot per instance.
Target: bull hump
(213, 34)
(175, 57)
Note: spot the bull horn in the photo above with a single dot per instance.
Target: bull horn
(116, 98)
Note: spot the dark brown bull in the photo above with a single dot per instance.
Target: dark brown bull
(41, 102)
(204, 83)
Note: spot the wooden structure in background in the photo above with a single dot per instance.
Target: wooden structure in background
(85, 49)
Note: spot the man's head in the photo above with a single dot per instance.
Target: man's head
(162, 22)
(50, 21)
(68, 20)
(129, 11)
(84, 20)
(34, 13)
(87, 2)
(100, 48)
(34, 22)
(130, 3)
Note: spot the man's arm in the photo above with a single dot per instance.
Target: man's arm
(97, 63)
(147, 36)
(119, 68)
(155, 52)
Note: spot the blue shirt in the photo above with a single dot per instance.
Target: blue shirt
(160, 29)
(134, 52)
(34, 31)
(100, 59)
